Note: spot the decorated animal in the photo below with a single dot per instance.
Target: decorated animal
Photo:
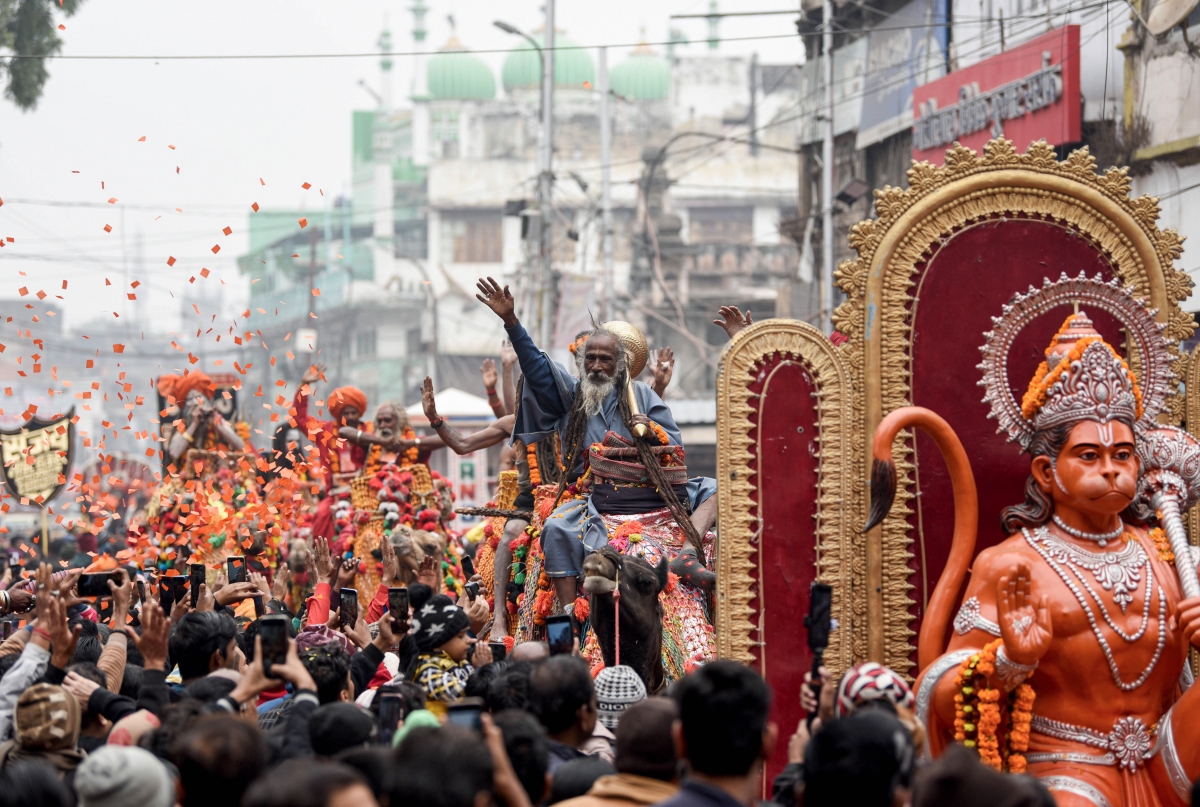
(606, 571)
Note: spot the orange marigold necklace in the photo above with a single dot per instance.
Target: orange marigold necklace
(978, 713)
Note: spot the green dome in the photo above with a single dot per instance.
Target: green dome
(458, 75)
(523, 67)
(644, 76)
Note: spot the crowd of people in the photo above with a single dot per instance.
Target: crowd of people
(138, 707)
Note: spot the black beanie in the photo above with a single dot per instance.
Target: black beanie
(337, 726)
(436, 622)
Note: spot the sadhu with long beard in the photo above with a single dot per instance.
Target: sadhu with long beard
(593, 417)
(1068, 654)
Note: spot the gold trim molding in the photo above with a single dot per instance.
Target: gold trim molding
(877, 315)
(840, 488)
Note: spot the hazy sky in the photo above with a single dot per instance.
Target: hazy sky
(234, 122)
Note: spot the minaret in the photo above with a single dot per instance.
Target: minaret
(713, 22)
(420, 86)
(385, 66)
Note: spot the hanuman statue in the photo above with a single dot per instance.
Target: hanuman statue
(1068, 653)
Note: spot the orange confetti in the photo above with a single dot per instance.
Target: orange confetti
(108, 228)
(227, 230)
(261, 182)
(172, 148)
(303, 223)
(62, 27)
(306, 186)
(112, 200)
(23, 291)
(118, 348)
(216, 248)
(204, 273)
(171, 261)
(254, 207)
(316, 292)
(142, 139)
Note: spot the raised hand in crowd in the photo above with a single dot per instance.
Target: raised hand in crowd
(279, 588)
(508, 356)
(489, 374)
(260, 582)
(663, 363)
(122, 594)
(313, 374)
(499, 299)
(63, 637)
(323, 561)
(347, 572)
(181, 606)
(152, 641)
(427, 573)
(733, 321)
(292, 670)
(66, 587)
(391, 567)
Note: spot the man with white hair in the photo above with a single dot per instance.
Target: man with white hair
(586, 411)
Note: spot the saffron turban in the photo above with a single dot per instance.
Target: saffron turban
(167, 385)
(194, 381)
(342, 397)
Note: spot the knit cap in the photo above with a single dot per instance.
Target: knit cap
(867, 682)
(617, 688)
(47, 718)
(419, 718)
(119, 776)
(436, 622)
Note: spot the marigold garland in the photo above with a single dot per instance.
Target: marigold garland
(582, 609)
(978, 713)
(1165, 553)
(1044, 379)
(535, 473)
(660, 434)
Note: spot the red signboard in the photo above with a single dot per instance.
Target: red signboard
(1027, 93)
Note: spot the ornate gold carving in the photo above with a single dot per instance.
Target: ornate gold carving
(1191, 377)
(877, 314)
(840, 488)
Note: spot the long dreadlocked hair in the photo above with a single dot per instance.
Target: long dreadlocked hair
(576, 434)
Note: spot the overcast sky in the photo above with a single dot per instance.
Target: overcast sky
(234, 122)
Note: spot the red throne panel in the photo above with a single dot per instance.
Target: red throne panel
(786, 438)
(963, 284)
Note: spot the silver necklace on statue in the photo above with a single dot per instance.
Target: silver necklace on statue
(1118, 572)
(1101, 538)
(1046, 544)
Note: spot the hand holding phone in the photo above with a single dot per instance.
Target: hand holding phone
(472, 591)
(237, 569)
(196, 576)
(468, 567)
(466, 713)
(559, 634)
(273, 632)
(348, 609)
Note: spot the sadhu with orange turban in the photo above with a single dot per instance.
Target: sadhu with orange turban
(344, 398)
(342, 443)
(200, 382)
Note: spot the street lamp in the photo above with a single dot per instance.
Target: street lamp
(512, 29)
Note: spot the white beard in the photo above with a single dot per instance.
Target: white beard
(595, 387)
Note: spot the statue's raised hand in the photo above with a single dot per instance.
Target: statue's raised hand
(499, 299)
(1024, 620)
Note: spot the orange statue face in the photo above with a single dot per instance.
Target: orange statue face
(1097, 470)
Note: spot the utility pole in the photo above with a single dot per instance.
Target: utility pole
(546, 180)
(827, 172)
(606, 238)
